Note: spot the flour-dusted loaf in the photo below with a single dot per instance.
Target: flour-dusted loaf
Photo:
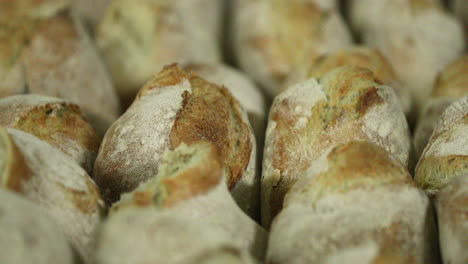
(270, 37)
(446, 155)
(54, 120)
(359, 56)
(451, 204)
(191, 185)
(450, 85)
(28, 235)
(176, 107)
(148, 235)
(47, 51)
(421, 39)
(53, 181)
(346, 104)
(241, 87)
(138, 37)
(356, 204)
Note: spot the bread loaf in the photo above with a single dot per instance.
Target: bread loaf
(451, 208)
(191, 185)
(148, 235)
(355, 204)
(28, 235)
(450, 85)
(138, 37)
(56, 121)
(270, 37)
(446, 155)
(241, 87)
(419, 42)
(359, 56)
(346, 104)
(53, 181)
(51, 54)
(175, 108)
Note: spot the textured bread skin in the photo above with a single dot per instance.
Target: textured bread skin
(271, 37)
(452, 211)
(241, 87)
(450, 85)
(138, 37)
(55, 182)
(346, 104)
(358, 56)
(28, 235)
(420, 41)
(56, 121)
(149, 235)
(368, 208)
(188, 110)
(191, 184)
(446, 155)
(52, 55)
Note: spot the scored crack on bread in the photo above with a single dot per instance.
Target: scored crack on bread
(191, 184)
(148, 235)
(92, 11)
(359, 56)
(28, 235)
(451, 84)
(187, 110)
(446, 155)
(270, 37)
(418, 28)
(451, 204)
(52, 55)
(53, 181)
(241, 87)
(138, 37)
(56, 121)
(367, 206)
(346, 104)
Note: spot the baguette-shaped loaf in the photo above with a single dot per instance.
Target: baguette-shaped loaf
(346, 104)
(138, 37)
(55, 182)
(270, 37)
(149, 235)
(358, 205)
(419, 42)
(358, 56)
(451, 85)
(28, 235)
(191, 185)
(452, 207)
(446, 155)
(52, 55)
(174, 108)
(241, 87)
(56, 121)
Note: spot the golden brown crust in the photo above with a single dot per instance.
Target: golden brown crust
(453, 81)
(211, 113)
(15, 171)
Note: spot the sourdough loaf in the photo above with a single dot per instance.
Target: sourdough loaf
(53, 181)
(191, 185)
(346, 104)
(356, 204)
(450, 85)
(420, 41)
(446, 155)
(28, 235)
(270, 37)
(138, 37)
(174, 108)
(45, 50)
(56, 121)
